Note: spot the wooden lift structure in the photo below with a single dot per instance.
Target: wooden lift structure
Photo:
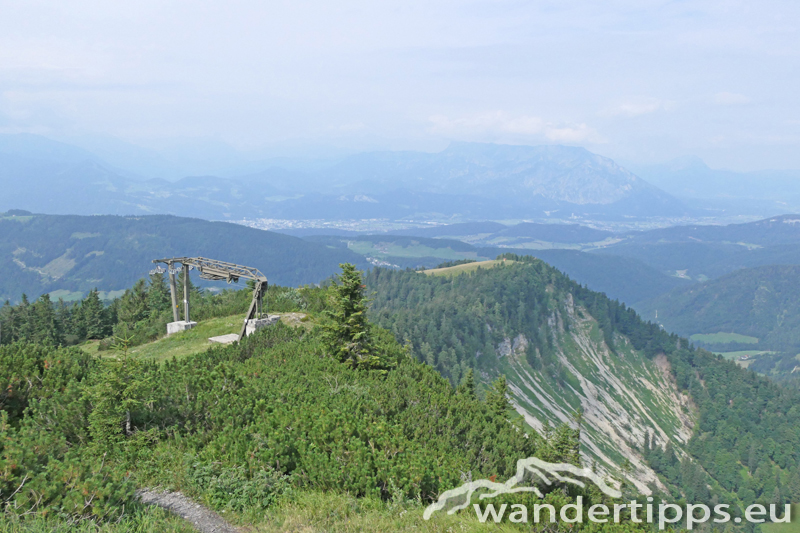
(212, 269)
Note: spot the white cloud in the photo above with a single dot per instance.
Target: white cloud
(502, 127)
(638, 107)
(725, 98)
(487, 123)
(580, 133)
(257, 73)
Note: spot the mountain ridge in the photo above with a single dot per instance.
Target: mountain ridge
(73, 254)
(470, 180)
(652, 408)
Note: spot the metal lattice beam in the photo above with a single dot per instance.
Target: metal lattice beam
(216, 270)
(212, 269)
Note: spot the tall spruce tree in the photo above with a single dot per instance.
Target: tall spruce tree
(496, 396)
(132, 307)
(158, 299)
(93, 317)
(45, 326)
(346, 334)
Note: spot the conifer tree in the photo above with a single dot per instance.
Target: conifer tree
(46, 329)
(92, 316)
(6, 324)
(346, 335)
(467, 386)
(22, 321)
(496, 396)
(133, 304)
(122, 387)
(158, 298)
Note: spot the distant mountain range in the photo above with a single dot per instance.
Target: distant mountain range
(524, 179)
(703, 252)
(466, 180)
(68, 255)
(718, 192)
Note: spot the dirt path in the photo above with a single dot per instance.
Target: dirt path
(203, 519)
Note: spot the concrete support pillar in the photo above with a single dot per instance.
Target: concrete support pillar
(186, 293)
(173, 293)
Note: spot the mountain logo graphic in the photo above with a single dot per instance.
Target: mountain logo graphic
(533, 470)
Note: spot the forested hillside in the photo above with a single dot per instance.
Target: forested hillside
(73, 255)
(762, 302)
(622, 278)
(285, 416)
(752, 313)
(649, 402)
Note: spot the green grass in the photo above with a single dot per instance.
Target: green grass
(723, 338)
(142, 520)
(791, 527)
(192, 341)
(315, 512)
(67, 296)
(179, 344)
(460, 269)
(189, 342)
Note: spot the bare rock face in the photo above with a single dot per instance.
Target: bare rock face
(623, 395)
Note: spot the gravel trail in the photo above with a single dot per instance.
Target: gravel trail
(203, 519)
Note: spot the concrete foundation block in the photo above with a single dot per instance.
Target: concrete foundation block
(177, 327)
(258, 323)
(224, 339)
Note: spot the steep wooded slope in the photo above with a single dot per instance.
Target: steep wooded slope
(565, 349)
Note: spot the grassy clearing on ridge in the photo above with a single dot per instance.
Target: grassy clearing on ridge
(192, 341)
(469, 267)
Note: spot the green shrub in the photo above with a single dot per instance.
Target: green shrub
(234, 488)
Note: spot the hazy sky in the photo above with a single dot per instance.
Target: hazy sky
(636, 80)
